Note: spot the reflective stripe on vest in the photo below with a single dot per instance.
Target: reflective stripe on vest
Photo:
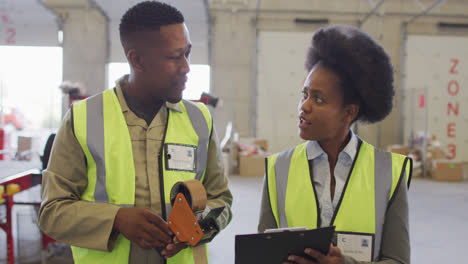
(107, 144)
(198, 135)
(293, 200)
(200, 125)
(110, 163)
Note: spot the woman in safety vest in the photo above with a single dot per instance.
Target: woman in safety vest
(335, 178)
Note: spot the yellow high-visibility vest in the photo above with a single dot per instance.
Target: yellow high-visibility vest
(104, 137)
(370, 186)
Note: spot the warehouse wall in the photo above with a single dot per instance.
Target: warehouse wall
(85, 48)
(16, 28)
(236, 24)
(85, 44)
(91, 41)
(90, 33)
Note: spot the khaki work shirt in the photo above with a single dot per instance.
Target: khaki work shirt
(66, 218)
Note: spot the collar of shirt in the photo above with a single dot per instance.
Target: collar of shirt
(314, 150)
(123, 81)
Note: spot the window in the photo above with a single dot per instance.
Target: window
(29, 81)
(30, 98)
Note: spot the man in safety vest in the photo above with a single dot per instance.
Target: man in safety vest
(106, 190)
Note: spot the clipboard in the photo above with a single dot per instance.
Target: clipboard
(275, 247)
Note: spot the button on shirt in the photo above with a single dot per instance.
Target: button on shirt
(322, 176)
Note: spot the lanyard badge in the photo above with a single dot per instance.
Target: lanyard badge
(180, 157)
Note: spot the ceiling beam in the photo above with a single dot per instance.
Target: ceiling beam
(436, 4)
(57, 4)
(362, 21)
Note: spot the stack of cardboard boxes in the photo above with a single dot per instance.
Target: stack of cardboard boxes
(25, 148)
(246, 157)
(436, 164)
(448, 171)
(252, 163)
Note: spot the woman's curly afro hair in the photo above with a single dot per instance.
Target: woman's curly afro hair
(363, 67)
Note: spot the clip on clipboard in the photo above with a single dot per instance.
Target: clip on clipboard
(275, 247)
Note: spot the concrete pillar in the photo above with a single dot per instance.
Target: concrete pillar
(85, 43)
(233, 70)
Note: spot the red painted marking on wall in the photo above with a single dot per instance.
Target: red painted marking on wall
(454, 65)
(451, 130)
(452, 151)
(422, 100)
(453, 109)
(11, 34)
(6, 19)
(452, 84)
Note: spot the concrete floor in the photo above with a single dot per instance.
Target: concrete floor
(246, 210)
(438, 217)
(438, 220)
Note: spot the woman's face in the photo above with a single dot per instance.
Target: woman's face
(322, 115)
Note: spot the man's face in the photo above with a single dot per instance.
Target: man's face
(165, 62)
(322, 116)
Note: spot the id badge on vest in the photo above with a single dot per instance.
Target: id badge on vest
(360, 246)
(180, 157)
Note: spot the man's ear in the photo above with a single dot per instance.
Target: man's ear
(352, 111)
(135, 60)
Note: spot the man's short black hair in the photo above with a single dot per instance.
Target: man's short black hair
(363, 66)
(148, 16)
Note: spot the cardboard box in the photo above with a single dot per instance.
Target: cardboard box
(465, 170)
(398, 149)
(253, 165)
(259, 142)
(24, 144)
(227, 164)
(262, 143)
(435, 152)
(417, 169)
(445, 170)
(234, 159)
(417, 173)
(429, 167)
